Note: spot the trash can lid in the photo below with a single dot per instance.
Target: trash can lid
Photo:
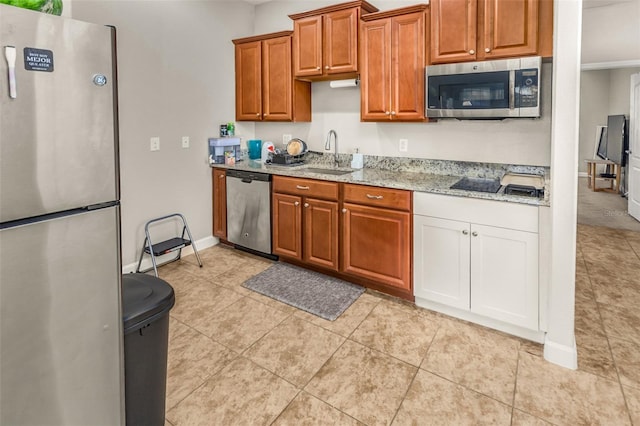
(145, 298)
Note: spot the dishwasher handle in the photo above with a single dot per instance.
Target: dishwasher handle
(249, 177)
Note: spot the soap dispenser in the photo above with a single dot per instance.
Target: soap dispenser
(357, 160)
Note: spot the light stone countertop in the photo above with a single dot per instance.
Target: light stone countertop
(436, 183)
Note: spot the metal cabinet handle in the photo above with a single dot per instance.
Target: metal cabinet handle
(393, 113)
(465, 232)
(344, 210)
(374, 197)
(326, 67)
(317, 68)
(486, 49)
(306, 204)
(474, 233)
(297, 203)
(221, 177)
(257, 114)
(302, 187)
(387, 113)
(10, 55)
(472, 52)
(266, 113)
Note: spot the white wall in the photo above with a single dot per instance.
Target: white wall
(515, 141)
(611, 32)
(594, 108)
(603, 93)
(176, 78)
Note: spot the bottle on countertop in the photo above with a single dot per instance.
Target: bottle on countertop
(357, 160)
(267, 148)
(231, 129)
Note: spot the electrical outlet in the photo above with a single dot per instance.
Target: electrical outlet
(286, 138)
(403, 146)
(185, 141)
(154, 144)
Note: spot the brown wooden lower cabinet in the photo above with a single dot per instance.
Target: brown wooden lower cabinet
(287, 226)
(305, 227)
(321, 233)
(219, 203)
(356, 232)
(376, 245)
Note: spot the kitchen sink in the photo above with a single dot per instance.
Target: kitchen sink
(336, 172)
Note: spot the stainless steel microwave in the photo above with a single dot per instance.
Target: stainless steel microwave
(490, 89)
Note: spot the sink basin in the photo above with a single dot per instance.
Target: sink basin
(336, 172)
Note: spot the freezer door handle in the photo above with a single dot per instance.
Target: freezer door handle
(10, 54)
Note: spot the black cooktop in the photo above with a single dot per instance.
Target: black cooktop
(477, 184)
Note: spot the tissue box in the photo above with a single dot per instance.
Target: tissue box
(219, 148)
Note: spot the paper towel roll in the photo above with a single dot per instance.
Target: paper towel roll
(339, 84)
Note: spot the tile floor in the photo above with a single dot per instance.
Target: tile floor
(236, 357)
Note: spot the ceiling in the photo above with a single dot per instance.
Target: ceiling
(587, 4)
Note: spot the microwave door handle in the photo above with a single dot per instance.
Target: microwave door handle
(512, 89)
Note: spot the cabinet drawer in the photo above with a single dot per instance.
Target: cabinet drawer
(306, 187)
(396, 199)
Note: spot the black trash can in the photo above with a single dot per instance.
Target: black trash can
(146, 302)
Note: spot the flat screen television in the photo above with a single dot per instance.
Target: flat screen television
(613, 140)
(602, 143)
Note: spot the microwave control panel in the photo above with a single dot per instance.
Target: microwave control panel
(527, 88)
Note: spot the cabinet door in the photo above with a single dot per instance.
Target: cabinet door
(321, 233)
(510, 28)
(307, 46)
(277, 80)
(453, 30)
(504, 275)
(441, 261)
(341, 41)
(407, 67)
(219, 203)
(249, 81)
(375, 76)
(377, 245)
(287, 226)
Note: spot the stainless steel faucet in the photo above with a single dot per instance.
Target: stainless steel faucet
(327, 145)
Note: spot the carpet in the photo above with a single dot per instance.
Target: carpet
(316, 293)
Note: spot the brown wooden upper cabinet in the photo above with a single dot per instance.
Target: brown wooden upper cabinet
(392, 64)
(325, 41)
(265, 88)
(475, 30)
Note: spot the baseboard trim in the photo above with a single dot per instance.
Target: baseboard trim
(201, 244)
(562, 355)
(525, 333)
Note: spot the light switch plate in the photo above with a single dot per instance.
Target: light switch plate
(185, 141)
(286, 138)
(403, 146)
(154, 144)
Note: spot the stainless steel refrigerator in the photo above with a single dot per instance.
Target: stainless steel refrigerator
(61, 354)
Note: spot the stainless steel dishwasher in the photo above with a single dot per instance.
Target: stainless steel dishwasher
(249, 210)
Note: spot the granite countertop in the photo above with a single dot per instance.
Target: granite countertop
(420, 181)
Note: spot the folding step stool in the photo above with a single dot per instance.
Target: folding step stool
(167, 246)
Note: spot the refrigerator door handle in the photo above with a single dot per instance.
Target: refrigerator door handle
(10, 54)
